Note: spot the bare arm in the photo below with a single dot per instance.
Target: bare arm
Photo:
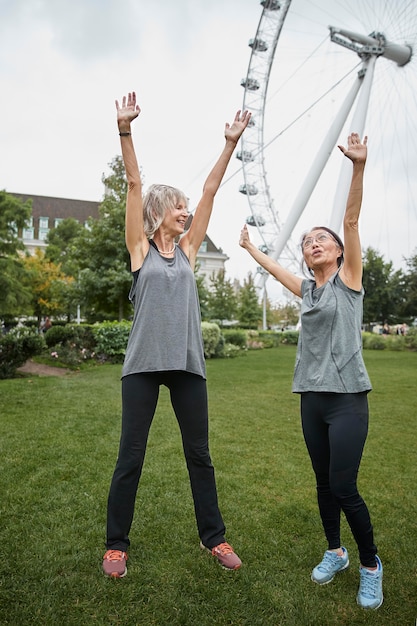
(351, 272)
(136, 241)
(194, 237)
(286, 278)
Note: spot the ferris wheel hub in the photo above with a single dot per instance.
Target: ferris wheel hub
(374, 44)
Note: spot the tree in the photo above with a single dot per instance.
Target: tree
(101, 253)
(61, 241)
(47, 283)
(409, 308)
(62, 249)
(222, 299)
(284, 315)
(382, 292)
(249, 309)
(203, 294)
(14, 215)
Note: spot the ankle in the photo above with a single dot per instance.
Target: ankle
(338, 551)
(371, 569)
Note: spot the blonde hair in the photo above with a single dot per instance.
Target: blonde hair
(157, 201)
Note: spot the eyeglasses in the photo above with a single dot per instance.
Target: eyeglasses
(320, 238)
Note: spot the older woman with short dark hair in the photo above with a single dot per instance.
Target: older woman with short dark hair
(332, 380)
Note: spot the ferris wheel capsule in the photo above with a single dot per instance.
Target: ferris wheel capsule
(250, 83)
(255, 220)
(248, 190)
(258, 44)
(271, 5)
(245, 155)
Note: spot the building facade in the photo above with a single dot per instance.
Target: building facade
(48, 212)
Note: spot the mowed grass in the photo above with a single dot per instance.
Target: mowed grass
(59, 440)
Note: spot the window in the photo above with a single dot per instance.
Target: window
(203, 247)
(28, 232)
(43, 228)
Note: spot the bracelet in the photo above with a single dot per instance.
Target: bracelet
(125, 134)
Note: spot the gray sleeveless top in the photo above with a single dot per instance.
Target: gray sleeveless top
(329, 352)
(166, 329)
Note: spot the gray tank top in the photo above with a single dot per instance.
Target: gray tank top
(329, 352)
(166, 329)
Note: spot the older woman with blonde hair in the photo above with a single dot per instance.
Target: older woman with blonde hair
(165, 345)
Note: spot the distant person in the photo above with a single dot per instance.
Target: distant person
(46, 324)
(331, 378)
(165, 345)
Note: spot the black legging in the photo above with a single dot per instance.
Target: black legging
(335, 426)
(189, 400)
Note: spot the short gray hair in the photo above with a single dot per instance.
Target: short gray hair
(157, 201)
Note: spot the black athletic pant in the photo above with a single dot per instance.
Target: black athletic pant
(189, 400)
(335, 426)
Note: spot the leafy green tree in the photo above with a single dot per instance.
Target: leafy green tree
(398, 296)
(249, 309)
(101, 254)
(203, 294)
(14, 215)
(61, 242)
(62, 248)
(222, 301)
(383, 288)
(283, 315)
(409, 309)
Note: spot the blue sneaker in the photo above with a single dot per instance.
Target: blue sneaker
(325, 571)
(370, 594)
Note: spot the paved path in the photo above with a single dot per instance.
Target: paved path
(39, 369)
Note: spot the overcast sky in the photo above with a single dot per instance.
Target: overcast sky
(64, 62)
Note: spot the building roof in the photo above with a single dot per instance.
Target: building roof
(81, 210)
(45, 206)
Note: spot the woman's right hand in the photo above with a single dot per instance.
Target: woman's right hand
(356, 150)
(244, 237)
(127, 112)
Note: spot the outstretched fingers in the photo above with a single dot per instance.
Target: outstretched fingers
(241, 120)
(244, 236)
(243, 117)
(356, 149)
(354, 139)
(128, 104)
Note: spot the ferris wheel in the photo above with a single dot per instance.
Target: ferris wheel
(358, 72)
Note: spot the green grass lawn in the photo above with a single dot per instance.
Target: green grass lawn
(59, 440)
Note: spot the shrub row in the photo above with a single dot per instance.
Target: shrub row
(372, 341)
(74, 344)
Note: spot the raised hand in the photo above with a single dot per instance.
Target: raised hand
(356, 151)
(244, 237)
(234, 131)
(128, 110)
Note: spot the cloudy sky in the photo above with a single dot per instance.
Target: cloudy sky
(64, 62)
